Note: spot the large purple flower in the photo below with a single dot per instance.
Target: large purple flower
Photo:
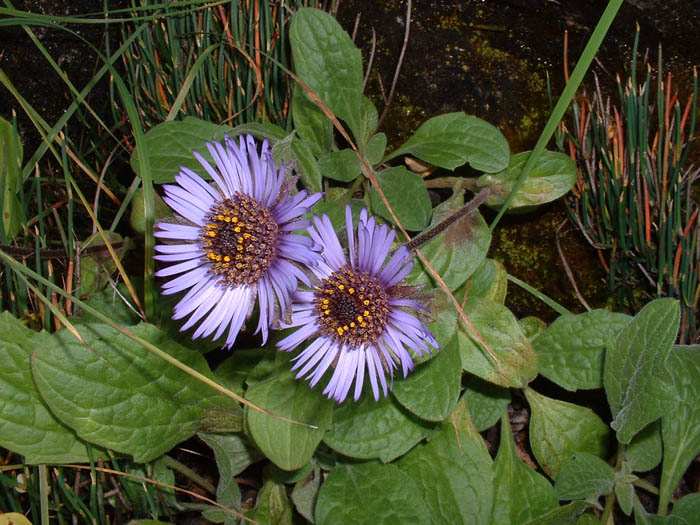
(236, 241)
(357, 315)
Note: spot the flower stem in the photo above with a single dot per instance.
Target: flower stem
(189, 473)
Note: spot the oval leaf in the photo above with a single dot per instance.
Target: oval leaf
(584, 476)
(552, 176)
(453, 139)
(328, 62)
(169, 146)
(119, 395)
(521, 493)
(370, 429)
(407, 196)
(454, 474)
(370, 493)
(340, 165)
(501, 331)
(288, 445)
(487, 402)
(27, 427)
(635, 371)
(558, 430)
(570, 352)
(441, 376)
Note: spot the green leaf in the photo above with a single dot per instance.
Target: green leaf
(443, 319)
(336, 211)
(407, 196)
(680, 423)
(458, 251)
(260, 130)
(501, 331)
(340, 165)
(571, 513)
(288, 445)
(635, 372)
(137, 219)
(27, 427)
(624, 493)
(521, 493)
(234, 370)
(10, 179)
(272, 506)
(487, 402)
(532, 326)
(644, 451)
(489, 281)
(374, 149)
(552, 176)
(370, 493)
(558, 430)
(453, 139)
(233, 455)
(328, 62)
(305, 493)
(312, 125)
(307, 166)
(453, 473)
(370, 429)
(97, 267)
(570, 352)
(110, 302)
(687, 508)
(367, 124)
(169, 146)
(441, 377)
(119, 395)
(584, 476)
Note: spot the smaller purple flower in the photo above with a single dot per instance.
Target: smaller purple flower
(234, 240)
(358, 316)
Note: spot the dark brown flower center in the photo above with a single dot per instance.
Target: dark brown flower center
(240, 239)
(352, 307)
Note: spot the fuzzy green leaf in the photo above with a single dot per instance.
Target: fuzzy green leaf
(552, 176)
(680, 424)
(558, 430)
(501, 331)
(570, 352)
(328, 62)
(370, 429)
(288, 445)
(27, 426)
(374, 149)
(635, 371)
(521, 493)
(454, 475)
(453, 139)
(370, 493)
(312, 125)
(441, 377)
(645, 450)
(584, 476)
(119, 395)
(572, 514)
(407, 196)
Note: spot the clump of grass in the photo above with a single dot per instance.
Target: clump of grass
(634, 197)
(224, 57)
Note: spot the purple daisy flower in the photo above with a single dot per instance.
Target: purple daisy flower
(358, 315)
(236, 239)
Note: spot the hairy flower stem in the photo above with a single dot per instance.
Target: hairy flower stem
(465, 210)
